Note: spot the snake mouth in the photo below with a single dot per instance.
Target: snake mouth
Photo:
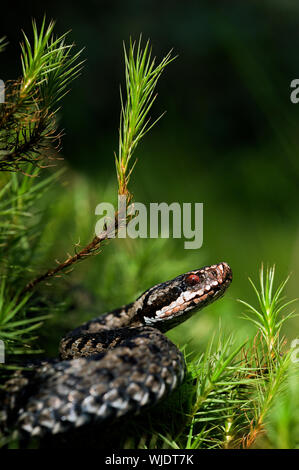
(195, 290)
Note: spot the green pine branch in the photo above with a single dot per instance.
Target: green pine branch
(28, 133)
(141, 79)
(28, 129)
(142, 75)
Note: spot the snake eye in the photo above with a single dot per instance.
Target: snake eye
(192, 279)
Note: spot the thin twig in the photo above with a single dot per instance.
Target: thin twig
(88, 250)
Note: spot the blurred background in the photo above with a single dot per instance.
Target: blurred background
(229, 139)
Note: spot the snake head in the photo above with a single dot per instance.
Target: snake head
(172, 302)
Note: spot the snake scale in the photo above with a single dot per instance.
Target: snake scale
(118, 363)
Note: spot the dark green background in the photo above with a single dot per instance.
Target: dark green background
(229, 138)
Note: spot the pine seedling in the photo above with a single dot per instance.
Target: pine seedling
(267, 358)
(27, 118)
(16, 326)
(27, 132)
(267, 316)
(142, 75)
(282, 427)
(49, 66)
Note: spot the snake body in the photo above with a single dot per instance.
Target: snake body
(118, 363)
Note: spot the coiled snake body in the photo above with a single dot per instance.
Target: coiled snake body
(115, 364)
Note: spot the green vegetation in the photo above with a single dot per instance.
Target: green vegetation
(235, 395)
(241, 387)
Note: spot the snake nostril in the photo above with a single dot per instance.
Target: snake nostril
(226, 270)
